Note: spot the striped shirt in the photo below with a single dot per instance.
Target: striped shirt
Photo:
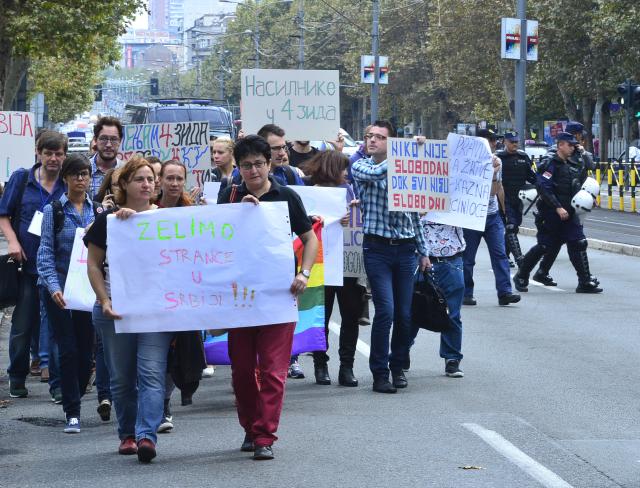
(54, 253)
(371, 179)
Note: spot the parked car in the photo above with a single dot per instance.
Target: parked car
(536, 150)
(183, 110)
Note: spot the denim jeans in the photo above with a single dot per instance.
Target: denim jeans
(494, 237)
(390, 269)
(73, 333)
(103, 385)
(25, 324)
(137, 365)
(448, 276)
(48, 351)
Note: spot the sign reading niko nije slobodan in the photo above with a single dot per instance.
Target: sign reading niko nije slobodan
(188, 142)
(417, 175)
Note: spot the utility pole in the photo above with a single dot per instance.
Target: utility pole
(375, 44)
(521, 74)
(301, 25)
(256, 36)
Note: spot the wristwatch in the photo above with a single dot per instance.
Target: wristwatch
(306, 273)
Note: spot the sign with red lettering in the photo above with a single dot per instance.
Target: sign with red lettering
(17, 142)
(188, 142)
(417, 175)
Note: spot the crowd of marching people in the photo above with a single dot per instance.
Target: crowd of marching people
(135, 374)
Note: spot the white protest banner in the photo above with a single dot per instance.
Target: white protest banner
(417, 175)
(471, 173)
(78, 293)
(210, 192)
(17, 142)
(305, 103)
(187, 142)
(353, 261)
(331, 205)
(202, 267)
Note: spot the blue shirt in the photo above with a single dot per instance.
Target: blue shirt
(280, 174)
(54, 253)
(371, 179)
(35, 198)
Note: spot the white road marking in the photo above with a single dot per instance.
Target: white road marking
(362, 347)
(533, 468)
(613, 222)
(550, 288)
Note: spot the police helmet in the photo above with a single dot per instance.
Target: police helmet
(591, 185)
(582, 202)
(528, 194)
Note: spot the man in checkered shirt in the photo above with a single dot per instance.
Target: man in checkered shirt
(107, 135)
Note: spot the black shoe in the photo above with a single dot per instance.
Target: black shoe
(263, 453)
(544, 278)
(322, 375)
(346, 377)
(247, 444)
(512, 264)
(104, 410)
(399, 379)
(452, 368)
(588, 287)
(383, 385)
(508, 298)
(469, 301)
(18, 390)
(521, 283)
(407, 365)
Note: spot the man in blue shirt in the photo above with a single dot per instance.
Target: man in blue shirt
(24, 198)
(389, 247)
(107, 135)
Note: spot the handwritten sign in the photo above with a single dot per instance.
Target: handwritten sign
(17, 142)
(78, 293)
(353, 261)
(202, 267)
(187, 142)
(470, 183)
(331, 205)
(305, 103)
(210, 192)
(418, 175)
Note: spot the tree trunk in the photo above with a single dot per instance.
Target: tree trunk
(588, 108)
(569, 105)
(15, 72)
(605, 133)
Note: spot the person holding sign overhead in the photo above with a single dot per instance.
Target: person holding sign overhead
(26, 194)
(266, 348)
(72, 329)
(389, 247)
(137, 363)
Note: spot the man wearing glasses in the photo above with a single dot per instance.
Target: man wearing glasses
(389, 247)
(107, 134)
(280, 168)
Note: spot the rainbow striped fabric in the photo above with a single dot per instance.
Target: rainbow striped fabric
(309, 334)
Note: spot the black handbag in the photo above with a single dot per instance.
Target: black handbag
(10, 271)
(429, 308)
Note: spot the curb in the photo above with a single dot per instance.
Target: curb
(615, 247)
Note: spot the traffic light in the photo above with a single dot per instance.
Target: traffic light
(154, 86)
(630, 97)
(97, 93)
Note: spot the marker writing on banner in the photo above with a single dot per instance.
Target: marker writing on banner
(184, 256)
(182, 299)
(15, 124)
(164, 230)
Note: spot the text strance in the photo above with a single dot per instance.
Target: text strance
(202, 267)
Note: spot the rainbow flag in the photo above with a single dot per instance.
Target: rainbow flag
(309, 334)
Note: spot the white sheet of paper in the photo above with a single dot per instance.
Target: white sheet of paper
(78, 293)
(210, 192)
(35, 227)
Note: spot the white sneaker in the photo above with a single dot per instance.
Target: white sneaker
(208, 372)
(72, 426)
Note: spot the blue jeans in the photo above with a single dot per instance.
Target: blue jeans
(47, 345)
(494, 237)
(390, 269)
(73, 332)
(448, 276)
(137, 365)
(103, 385)
(25, 324)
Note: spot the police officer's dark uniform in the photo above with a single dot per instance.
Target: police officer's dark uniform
(516, 172)
(556, 183)
(581, 161)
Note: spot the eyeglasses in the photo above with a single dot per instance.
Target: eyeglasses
(83, 175)
(378, 137)
(256, 165)
(275, 149)
(106, 140)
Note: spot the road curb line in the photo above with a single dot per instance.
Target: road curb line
(615, 247)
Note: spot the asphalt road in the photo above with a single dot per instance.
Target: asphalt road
(550, 398)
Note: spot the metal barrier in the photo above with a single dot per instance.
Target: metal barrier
(622, 176)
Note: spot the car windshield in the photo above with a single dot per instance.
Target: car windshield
(215, 118)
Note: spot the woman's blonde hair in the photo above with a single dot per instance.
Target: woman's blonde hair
(229, 145)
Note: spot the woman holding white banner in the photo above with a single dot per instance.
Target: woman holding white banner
(329, 168)
(137, 363)
(72, 329)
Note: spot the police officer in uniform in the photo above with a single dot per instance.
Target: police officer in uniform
(581, 161)
(516, 172)
(557, 222)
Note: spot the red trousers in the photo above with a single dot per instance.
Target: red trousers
(264, 351)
